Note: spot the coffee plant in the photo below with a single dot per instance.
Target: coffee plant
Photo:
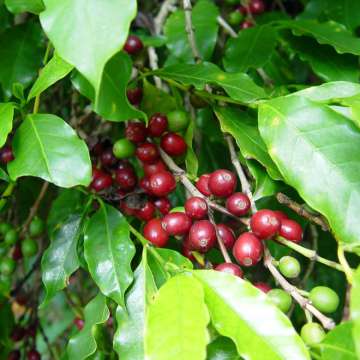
(179, 179)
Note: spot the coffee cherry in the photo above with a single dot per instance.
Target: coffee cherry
(123, 148)
(196, 208)
(144, 183)
(173, 144)
(134, 96)
(17, 252)
(312, 333)
(246, 24)
(136, 132)
(202, 236)
(7, 266)
(4, 228)
(162, 183)
(126, 179)
(29, 247)
(226, 235)
(222, 183)
(289, 267)
(133, 45)
(147, 212)
(154, 232)
(17, 333)
(186, 251)
(324, 299)
(156, 167)
(203, 184)
(11, 237)
(264, 287)
(101, 182)
(163, 204)
(107, 158)
(158, 124)
(248, 249)
(37, 227)
(147, 152)
(281, 299)
(176, 223)
(32, 330)
(79, 323)
(291, 230)
(178, 120)
(14, 355)
(235, 18)
(238, 204)
(6, 155)
(280, 215)
(126, 209)
(124, 164)
(256, 7)
(230, 268)
(33, 355)
(264, 224)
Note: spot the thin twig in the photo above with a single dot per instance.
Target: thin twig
(166, 7)
(153, 62)
(310, 267)
(190, 30)
(222, 22)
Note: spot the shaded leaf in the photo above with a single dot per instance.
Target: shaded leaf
(6, 121)
(19, 6)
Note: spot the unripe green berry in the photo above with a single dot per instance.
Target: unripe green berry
(312, 333)
(4, 228)
(235, 17)
(123, 148)
(11, 237)
(36, 227)
(29, 247)
(324, 299)
(178, 120)
(289, 267)
(281, 299)
(7, 266)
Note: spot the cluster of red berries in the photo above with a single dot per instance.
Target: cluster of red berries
(243, 14)
(6, 155)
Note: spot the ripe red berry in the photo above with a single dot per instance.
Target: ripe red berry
(222, 183)
(264, 224)
(154, 232)
(186, 251)
(202, 236)
(162, 183)
(14, 355)
(280, 215)
(133, 45)
(101, 182)
(203, 184)
(243, 10)
(173, 144)
(134, 96)
(147, 212)
(147, 152)
(246, 24)
(125, 209)
(196, 208)
(158, 124)
(144, 183)
(17, 333)
(163, 204)
(136, 132)
(227, 235)
(31, 331)
(238, 204)
(291, 230)
(108, 158)
(79, 323)
(230, 268)
(257, 7)
(176, 223)
(33, 355)
(248, 249)
(264, 287)
(124, 164)
(6, 155)
(17, 253)
(126, 179)
(98, 148)
(156, 167)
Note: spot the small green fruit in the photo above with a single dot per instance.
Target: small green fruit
(281, 299)
(178, 120)
(7, 266)
(123, 148)
(37, 227)
(289, 267)
(324, 299)
(29, 247)
(312, 333)
(11, 237)
(4, 228)
(235, 18)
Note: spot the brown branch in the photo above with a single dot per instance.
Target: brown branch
(190, 30)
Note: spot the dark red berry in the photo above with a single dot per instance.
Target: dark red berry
(136, 132)
(158, 124)
(176, 223)
(96, 173)
(144, 183)
(222, 183)
(14, 355)
(264, 287)
(264, 224)
(162, 183)
(196, 208)
(230, 268)
(33, 355)
(133, 45)
(98, 148)
(32, 330)
(147, 212)
(227, 235)
(280, 215)
(202, 236)
(257, 7)
(246, 24)
(243, 9)
(17, 253)
(163, 204)
(126, 179)
(186, 251)
(154, 232)
(150, 169)
(17, 333)
(124, 164)
(6, 155)
(108, 158)
(126, 209)
(102, 181)
(134, 96)
(248, 249)
(203, 184)
(79, 323)
(22, 299)
(147, 152)
(238, 204)
(173, 144)
(291, 230)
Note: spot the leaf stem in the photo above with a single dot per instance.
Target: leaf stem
(345, 265)
(7, 192)
(190, 30)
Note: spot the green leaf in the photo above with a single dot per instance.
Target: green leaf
(47, 147)
(355, 310)
(54, 70)
(238, 310)
(204, 15)
(108, 251)
(4, 176)
(222, 348)
(177, 321)
(19, 6)
(238, 86)
(82, 85)
(83, 344)
(191, 161)
(6, 121)
(132, 328)
(251, 49)
(315, 149)
(87, 33)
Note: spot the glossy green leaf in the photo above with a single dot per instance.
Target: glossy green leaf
(355, 310)
(238, 86)
(238, 310)
(222, 348)
(191, 161)
(6, 121)
(177, 321)
(204, 16)
(47, 147)
(314, 148)
(82, 85)
(83, 344)
(19, 6)
(251, 49)
(108, 252)
(55, 70)
(4, 176)
(132, 328)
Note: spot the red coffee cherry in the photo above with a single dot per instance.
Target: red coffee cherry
(196, 208)
(291, 230)
(176, 223)
(246, 24)
(134, 96)
(136, 132)
(126, 179)
(17, 253)
(230, 268)
(101, 182)
(203, 184)
(144, 183)
(154, 232)
(248, 249)
(173, 144)
(202, 236)
(227, 235)
(222, 183)
(256, 7)
(6, 155)
(238, 204)
(79, 323)
(162, 183)
(14, 355)
(17, 333)
(147, 212)
(33, 355)
(31, 331)
(163, 204)
(133, 45)
(156, 167)
(158, 124)
(147, 152)
(264, 287)
(125, 209)
(264, 224)
(108, 158)
(280, 215)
